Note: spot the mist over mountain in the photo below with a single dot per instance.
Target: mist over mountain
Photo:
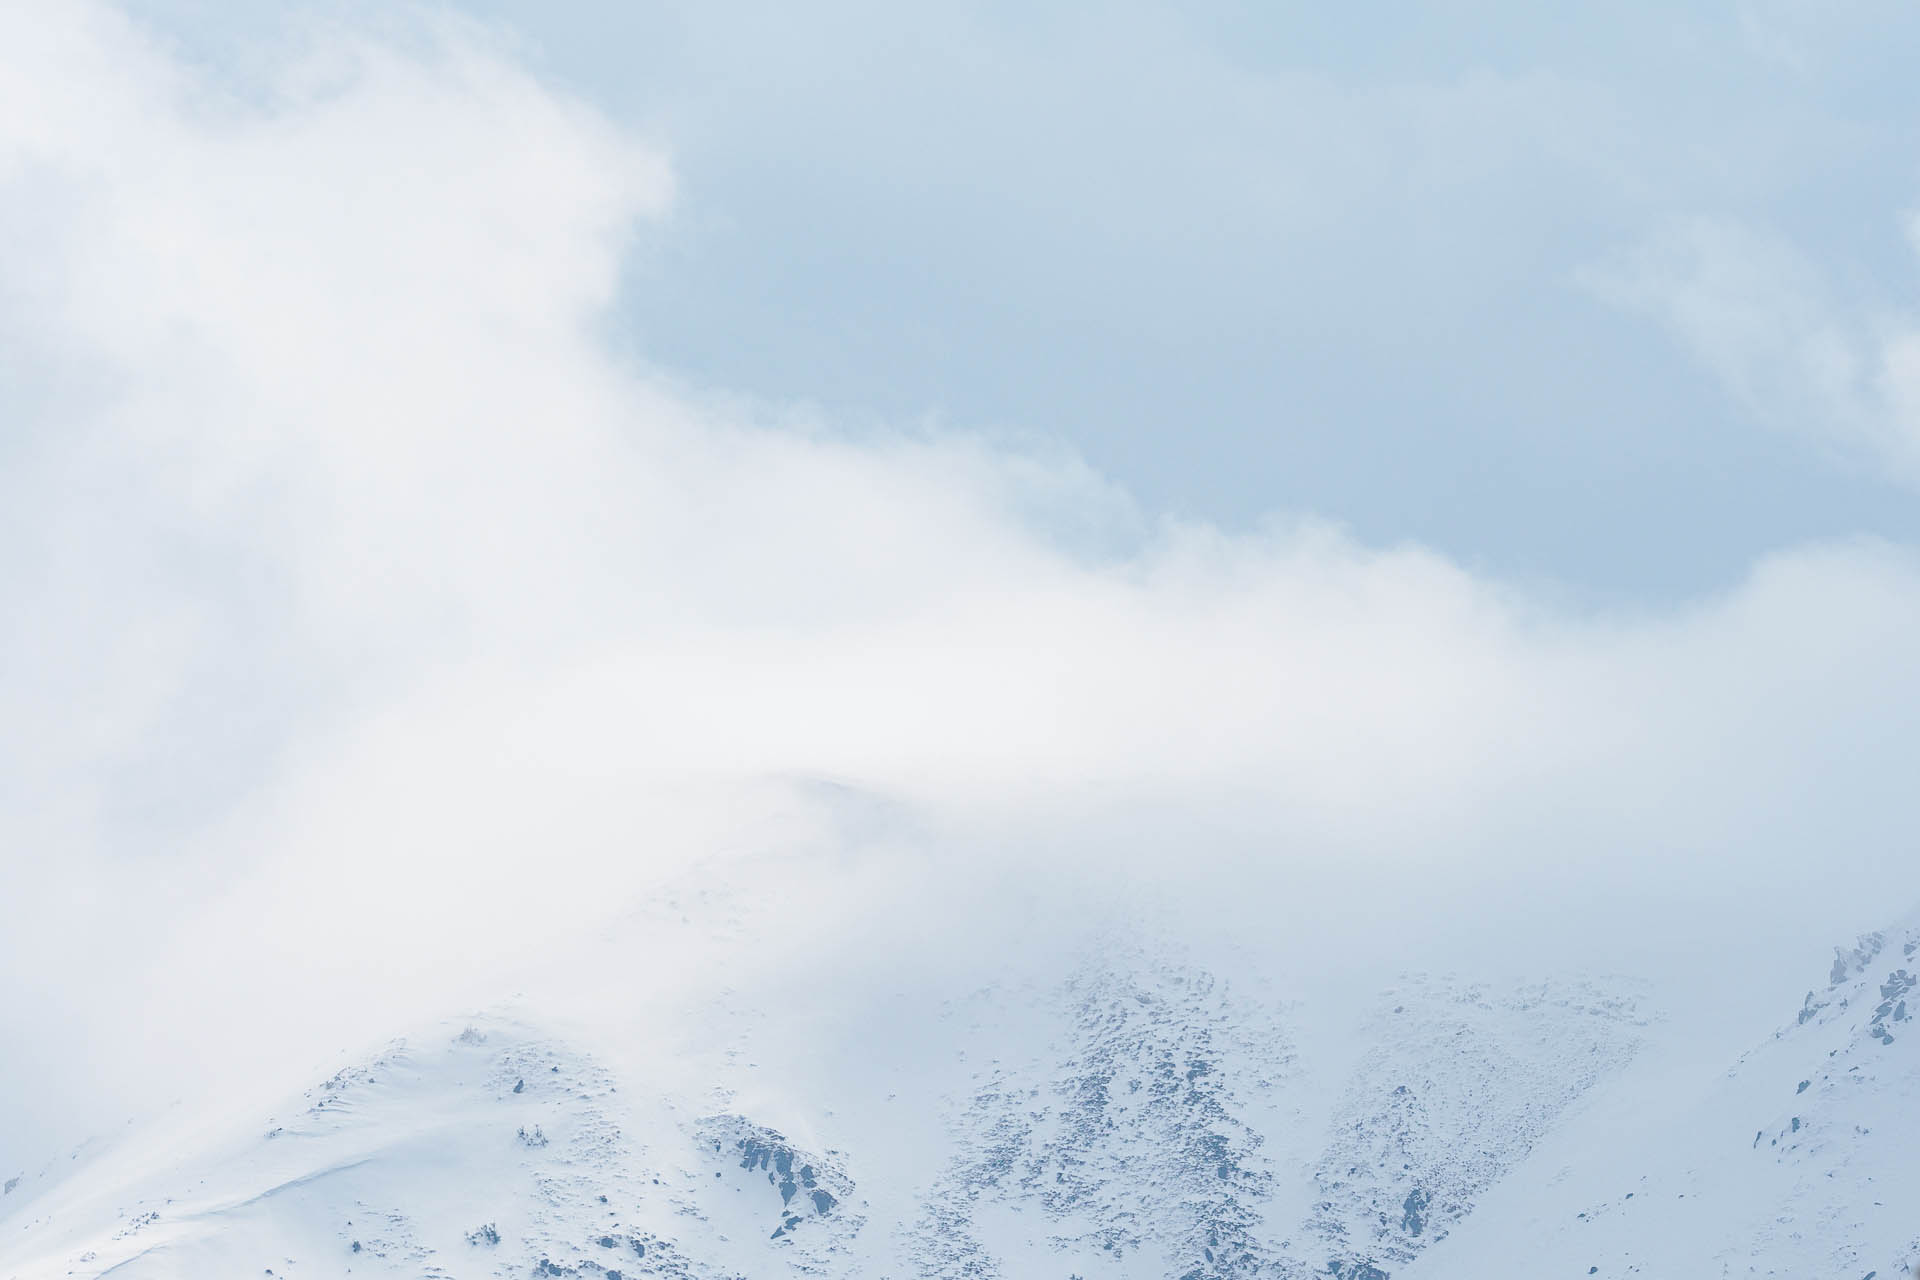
(485, 793)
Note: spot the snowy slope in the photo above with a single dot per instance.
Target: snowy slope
(1801, 1159)
(1127, 1113)
(1114, 1110)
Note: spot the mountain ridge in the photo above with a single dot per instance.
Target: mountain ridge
(1130, 1113)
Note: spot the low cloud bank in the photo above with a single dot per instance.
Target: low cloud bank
(374, 629)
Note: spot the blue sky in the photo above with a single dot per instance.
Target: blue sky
(1253, 259)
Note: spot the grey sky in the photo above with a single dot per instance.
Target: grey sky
(1251, 258)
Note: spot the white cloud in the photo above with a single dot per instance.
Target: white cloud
(1794, 352)
(372, 627)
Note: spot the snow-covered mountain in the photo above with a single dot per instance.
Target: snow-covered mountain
(1126, 1112)
(1801, 1159)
